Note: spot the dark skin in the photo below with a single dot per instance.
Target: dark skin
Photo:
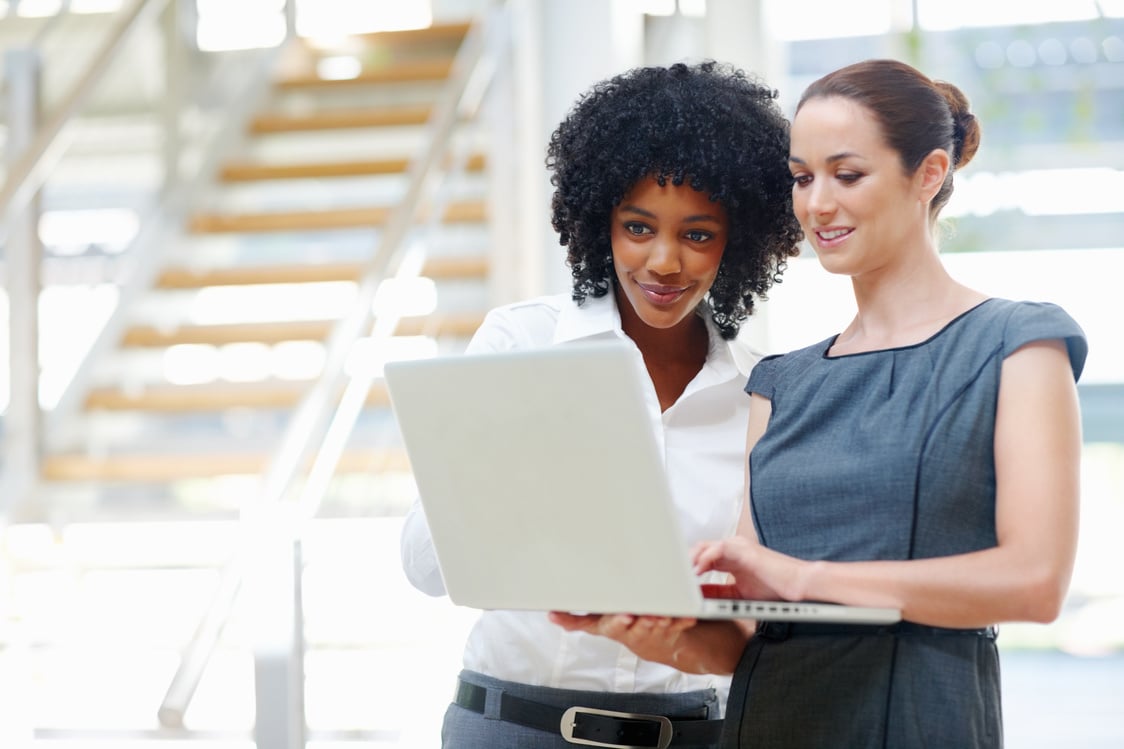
(667, 244)
(672, 357)
(668, 241)
(697, 647)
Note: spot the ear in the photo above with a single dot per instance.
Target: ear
(932, 172)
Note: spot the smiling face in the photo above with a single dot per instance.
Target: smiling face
(856, 204)
(667, 245)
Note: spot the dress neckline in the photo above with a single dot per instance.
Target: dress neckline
(919, 344)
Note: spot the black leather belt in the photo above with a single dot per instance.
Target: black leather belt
(595, 727)
(779, 631)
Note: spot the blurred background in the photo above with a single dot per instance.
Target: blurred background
(221, 216)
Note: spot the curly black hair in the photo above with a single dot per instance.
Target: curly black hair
(708, 125)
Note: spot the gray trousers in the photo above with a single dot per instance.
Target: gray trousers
(466, 729)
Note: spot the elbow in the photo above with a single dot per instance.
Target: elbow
(1043, 596)
(422, 572)
(431, 584)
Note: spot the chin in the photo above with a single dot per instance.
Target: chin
(835, 264)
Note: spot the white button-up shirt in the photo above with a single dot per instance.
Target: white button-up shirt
(702, 436)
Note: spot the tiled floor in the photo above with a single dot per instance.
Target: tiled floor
(85, 662)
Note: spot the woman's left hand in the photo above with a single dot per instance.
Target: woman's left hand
(653, 638)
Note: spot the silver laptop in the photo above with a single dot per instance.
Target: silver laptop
(542, 483)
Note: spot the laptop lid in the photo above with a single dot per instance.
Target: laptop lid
(542, 483)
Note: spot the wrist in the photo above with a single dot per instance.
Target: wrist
(809, 581)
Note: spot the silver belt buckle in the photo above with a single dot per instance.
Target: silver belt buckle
(569, 720)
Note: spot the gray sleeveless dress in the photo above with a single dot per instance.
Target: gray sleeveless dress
(882, 455)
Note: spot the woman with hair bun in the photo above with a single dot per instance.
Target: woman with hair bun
(925, 458)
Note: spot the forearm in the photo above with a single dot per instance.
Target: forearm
(711, 647)
(962, 591)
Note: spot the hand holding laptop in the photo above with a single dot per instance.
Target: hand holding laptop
(685, 643)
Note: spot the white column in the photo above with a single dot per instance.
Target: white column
(736, 33)
(560, 49)
(22, 253)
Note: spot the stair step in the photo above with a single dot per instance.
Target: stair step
(390, 116)
(213, 397)
(438, 32)
(341, 218)
(405, 71)
(457, 325)
(439, 269)
(195, 465)
(250, 171)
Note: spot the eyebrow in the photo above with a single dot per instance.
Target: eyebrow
(830, 159)
(648, 214)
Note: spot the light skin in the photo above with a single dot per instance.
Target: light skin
(869, 219)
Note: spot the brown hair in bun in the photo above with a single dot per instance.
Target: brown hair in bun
(917, 115)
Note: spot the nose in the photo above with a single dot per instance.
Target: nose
(664, 256)
(819, 199)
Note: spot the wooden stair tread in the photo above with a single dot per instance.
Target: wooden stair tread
(390, 116)
(248, 171)
(449, 31)
(340, 218)
(148, 336)
(189, 465)
(405, 71)
(441, 268)
(213, 396)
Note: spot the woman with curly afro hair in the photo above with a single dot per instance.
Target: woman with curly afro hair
(708, 127)
(673, 200)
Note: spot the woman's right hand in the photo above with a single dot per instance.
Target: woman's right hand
(759, 573)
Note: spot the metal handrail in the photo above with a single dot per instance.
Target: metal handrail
(468, 81)
(148, 249)
(30, 172)
(52, 23)
(413, 258)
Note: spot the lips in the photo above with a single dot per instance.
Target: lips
(831, 236)
(662, 295)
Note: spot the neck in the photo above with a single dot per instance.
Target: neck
(905, 303)
(686, 342)
(673, 356)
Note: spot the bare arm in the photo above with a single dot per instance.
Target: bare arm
(1025, 576)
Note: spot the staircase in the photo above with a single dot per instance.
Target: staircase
(105, 576)
(269, 264)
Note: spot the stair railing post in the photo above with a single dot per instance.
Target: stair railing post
(22, 437)
(290, 19)
(275, 594)
(178, 30)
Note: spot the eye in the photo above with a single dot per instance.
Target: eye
(636, 228)
(848, 177)
(801, 180)
(698, 235)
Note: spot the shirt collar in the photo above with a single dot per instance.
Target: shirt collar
(599, 317)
